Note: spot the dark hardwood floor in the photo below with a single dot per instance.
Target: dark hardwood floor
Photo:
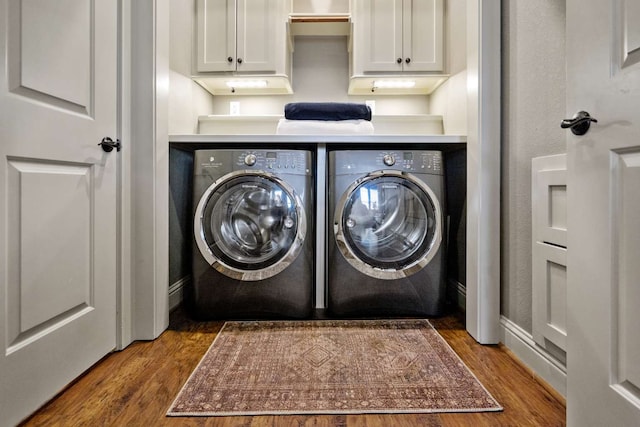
(135, 387)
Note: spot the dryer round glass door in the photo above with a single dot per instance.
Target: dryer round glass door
(388, 224)
(250, 226)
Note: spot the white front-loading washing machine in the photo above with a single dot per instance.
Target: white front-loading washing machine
(253, 234)
(385, 251)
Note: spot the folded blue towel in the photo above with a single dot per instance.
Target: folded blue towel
(326, 111)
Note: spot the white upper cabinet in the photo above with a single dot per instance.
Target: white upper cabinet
(242, 36)
(398, 36)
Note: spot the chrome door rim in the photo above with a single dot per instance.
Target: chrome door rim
(234, 272)
(377, 272)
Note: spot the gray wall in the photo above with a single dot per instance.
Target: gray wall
(533, 104)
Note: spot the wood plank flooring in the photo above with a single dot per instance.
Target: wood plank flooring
(135, 387)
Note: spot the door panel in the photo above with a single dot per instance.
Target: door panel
(388, 225)
(627, 17)
(549, 274)
(68, 69)
(34, 47)
(379, 35)
(58, 99)
(216, 33)
(423, 35)
(51, 278)
(603, 177)
(626, 247)
(250, 226)
(256, 35)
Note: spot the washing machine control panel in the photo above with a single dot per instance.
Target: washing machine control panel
(290, 162)
(412, 161)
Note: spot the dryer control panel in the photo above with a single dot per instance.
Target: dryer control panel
(412, 161)
(415, 161)
(275, 161)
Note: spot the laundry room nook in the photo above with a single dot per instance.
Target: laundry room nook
(319, 212)
(237, 69)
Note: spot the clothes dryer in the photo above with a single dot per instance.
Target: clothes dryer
(253, 232)
(385, 254)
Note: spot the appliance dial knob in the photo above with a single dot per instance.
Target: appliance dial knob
(388, 160)
(250, 159)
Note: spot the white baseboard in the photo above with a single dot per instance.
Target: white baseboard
(521, 343)
(176, 292)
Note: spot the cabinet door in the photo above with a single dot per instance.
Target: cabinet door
(379, 35)
(216, 42)
(257, 24)
(423, 35)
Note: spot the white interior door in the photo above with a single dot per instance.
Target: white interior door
(58, 86)
(603, 181)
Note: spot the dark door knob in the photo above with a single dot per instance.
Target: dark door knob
(579, 124)
(229, 59)
(407, 60)
(399, 60)
(108, 144)
(239, 60)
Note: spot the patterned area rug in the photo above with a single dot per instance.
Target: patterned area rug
(330, 367)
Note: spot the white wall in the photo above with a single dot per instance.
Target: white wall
(320, 6)
(187, 100)
(450, 99)
(533, 104)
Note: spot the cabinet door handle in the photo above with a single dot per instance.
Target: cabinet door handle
(407, 60)
(399, 60)
(239, 60)
(230, 59)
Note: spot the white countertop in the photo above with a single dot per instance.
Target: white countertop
(320, 139)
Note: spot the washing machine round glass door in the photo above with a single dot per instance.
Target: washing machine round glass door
(388, 224)
(250, 226)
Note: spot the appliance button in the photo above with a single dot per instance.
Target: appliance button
(389, 160)
(250, 159)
